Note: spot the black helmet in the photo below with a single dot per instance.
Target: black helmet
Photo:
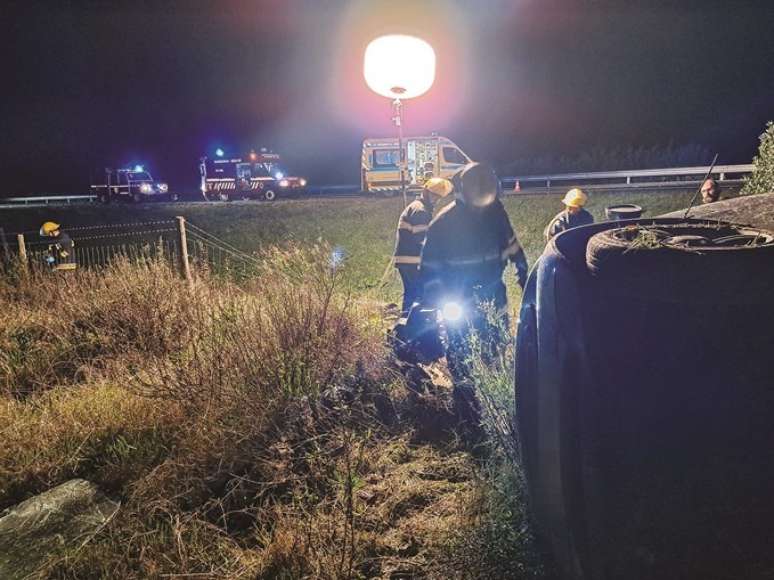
(478, 185)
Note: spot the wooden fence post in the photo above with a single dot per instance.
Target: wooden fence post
(185, 267)
(22, 252)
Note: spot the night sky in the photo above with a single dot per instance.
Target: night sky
(93, 84)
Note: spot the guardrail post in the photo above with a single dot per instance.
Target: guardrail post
(185, 266)
(22, 252)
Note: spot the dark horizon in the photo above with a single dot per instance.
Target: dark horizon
(90, 85)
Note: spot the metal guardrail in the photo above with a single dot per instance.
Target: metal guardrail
(46, 199)
(634, 179)
(630, 177)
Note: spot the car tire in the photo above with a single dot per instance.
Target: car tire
(103, 198)
(137, 198)
(691, 260)
(269, 195)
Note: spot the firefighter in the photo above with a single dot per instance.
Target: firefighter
(572, 216)
(61, 251)
(412, 227)
(468, 246)
(710, 191)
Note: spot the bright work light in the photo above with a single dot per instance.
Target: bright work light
(399, 66)
(138, 168)
(451, 312)
(219, 152)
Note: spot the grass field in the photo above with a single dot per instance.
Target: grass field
(259, 428)
(363, 228)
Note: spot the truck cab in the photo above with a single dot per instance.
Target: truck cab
(256, 175)
(135, 185)
(426, 157)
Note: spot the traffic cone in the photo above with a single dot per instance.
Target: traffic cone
(518, 186)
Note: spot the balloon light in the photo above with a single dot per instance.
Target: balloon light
(398, 66)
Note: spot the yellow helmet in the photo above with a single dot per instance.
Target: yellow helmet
(48, 228)
(439, 186)
(575, 198)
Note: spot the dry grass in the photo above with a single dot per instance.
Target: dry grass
(252, 430)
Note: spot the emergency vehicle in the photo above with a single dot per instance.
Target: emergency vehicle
(426, 157)
(135, 185)
(252, 176)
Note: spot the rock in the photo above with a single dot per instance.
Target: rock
(64, 517)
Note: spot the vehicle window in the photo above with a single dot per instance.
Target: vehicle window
(454, 155)
(276, 170)
(261, 170)
(243, 171)
(139, 176)
(386, 158)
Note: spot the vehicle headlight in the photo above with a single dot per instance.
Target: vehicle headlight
(284, 183)
(146, 188)
(302, 182)
(163, 187)
(452, 312)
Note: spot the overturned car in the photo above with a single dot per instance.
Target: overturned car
(645, 400)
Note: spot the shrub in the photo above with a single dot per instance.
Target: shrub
(761, 180)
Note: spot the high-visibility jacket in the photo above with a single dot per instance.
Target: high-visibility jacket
(412, 227)
(565, 220)
(62, 250)
(465, 254)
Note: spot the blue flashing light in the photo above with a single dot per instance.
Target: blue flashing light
(219, 152)
(138, 168)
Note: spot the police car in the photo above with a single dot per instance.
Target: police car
(257, 175)
(134, 184)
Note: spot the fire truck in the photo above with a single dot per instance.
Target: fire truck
(426, 157)
(257, 175)
(135, 185)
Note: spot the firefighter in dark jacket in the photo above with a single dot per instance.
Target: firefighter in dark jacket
(572, 216)
(61, 251)
(468, 246)
(412, 228)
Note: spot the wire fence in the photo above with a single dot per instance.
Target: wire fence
(180, 242)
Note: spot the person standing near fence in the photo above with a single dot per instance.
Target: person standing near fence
(60, 255)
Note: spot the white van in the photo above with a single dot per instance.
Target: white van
(426, 157)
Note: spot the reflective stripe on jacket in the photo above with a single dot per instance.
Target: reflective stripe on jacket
(412, 227)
